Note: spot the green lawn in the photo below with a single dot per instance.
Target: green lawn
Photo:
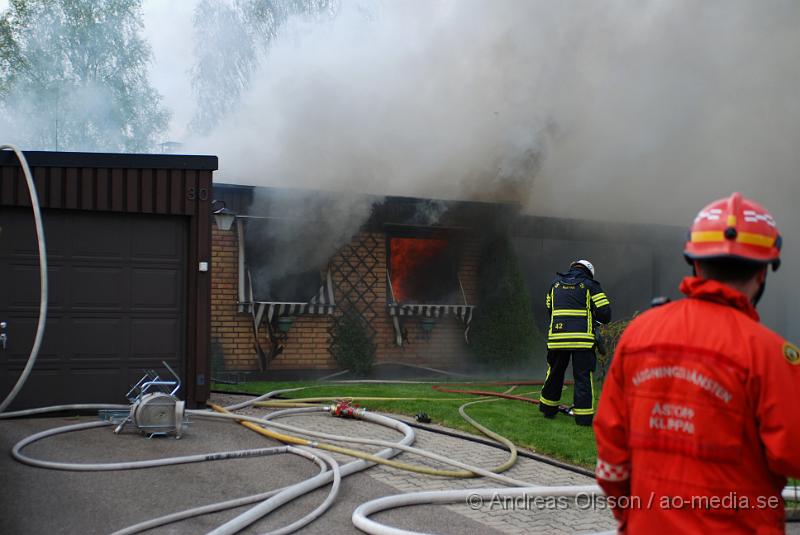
(519, 421)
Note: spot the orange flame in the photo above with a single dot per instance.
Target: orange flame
(408, 258)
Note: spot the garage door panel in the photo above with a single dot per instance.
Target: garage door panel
(21, 333)
(152, 242)
(97, 338)
(155, 288)
(78, 372)
(106, 238)
(98, 385)
(109, 317)
(57, 235)
(53, 386)
(24, 291)
(154, 338)
(96, 287)
(45, 384)
(19, 235)
(18, 238)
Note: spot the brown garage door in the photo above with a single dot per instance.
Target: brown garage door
(116, 303)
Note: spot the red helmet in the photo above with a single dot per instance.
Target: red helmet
(734, 227)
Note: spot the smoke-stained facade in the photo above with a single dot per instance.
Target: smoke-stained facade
(285, 273)
(409, 268)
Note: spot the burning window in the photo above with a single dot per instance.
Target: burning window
(423, 270)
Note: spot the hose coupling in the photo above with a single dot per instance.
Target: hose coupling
(345, 409)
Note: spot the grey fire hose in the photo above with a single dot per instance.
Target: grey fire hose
(275, 499)
(248, 402)
(472, 496)
(318, 481)
(37, 216)
(284, 496)
(288, 494)
(59, 408)
(242, 521)
(16, 452)
(370, 442)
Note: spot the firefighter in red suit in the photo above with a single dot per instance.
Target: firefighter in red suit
(697, 428)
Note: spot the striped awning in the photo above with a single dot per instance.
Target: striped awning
(462, 312)
(396, 311)
(274, 309)
(321, 303)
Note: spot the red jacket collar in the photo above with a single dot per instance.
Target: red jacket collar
(718, 292)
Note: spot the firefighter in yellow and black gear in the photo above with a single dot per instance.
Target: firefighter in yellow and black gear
(576, 302)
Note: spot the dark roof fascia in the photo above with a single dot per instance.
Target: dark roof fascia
(111, 160)
(390, 211)
(556, 228)
(395, 213)
(377, 199)
(233, 187)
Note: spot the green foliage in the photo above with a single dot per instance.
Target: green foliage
(503, 332)
(73, 76)
(232, 39)
(351, 345)
(611, 334)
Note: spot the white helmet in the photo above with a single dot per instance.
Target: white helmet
(585, 263)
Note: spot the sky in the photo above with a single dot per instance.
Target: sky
(172, 58)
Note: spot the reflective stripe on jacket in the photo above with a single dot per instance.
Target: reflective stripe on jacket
(696, 425)
(575, 301)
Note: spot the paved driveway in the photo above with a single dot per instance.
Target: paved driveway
(34, 500)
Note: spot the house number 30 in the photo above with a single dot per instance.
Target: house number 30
(195, 193)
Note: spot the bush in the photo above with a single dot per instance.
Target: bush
(611, 334)
(351, 345)
(503, 332)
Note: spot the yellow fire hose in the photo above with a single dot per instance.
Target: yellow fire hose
(312, 402)
(356, 398)
(293, 403)
(288, 439)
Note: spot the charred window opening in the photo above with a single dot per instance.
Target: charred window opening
(282, 262)
(423, 270)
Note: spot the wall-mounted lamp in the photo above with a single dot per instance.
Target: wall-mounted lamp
(427, 325)
(223, 216)
(285, 323)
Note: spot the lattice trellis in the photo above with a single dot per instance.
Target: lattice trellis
(356, 284)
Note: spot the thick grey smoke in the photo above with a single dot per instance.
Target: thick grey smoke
(421, 98)
(635, 111)
(619, 106)
(289, 251)
(665, 106)
(662, 106)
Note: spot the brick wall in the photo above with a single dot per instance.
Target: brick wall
(359, 274)
(306, 345)
(231, 332)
